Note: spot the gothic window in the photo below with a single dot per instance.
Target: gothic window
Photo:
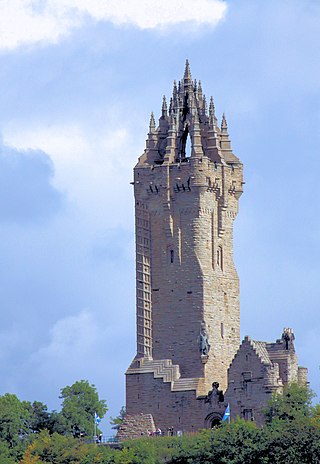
(171, 256)
(222, 330)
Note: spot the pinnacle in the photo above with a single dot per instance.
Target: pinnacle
(211, 107)
(204, 104)
(224, 125)
(152, 124)
(164, 107)
(174, 88)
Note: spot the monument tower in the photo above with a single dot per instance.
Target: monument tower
(189, 363)
(187, 185)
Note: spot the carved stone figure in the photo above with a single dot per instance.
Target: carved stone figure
(215, 395)
(204, 344)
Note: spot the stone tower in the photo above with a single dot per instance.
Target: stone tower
(187, 185)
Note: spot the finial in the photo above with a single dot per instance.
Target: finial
(187, 73)
(164, 107)
(199, 89)
(195, 85)
(224, 125)
(152, 125)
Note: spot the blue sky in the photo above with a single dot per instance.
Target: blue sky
(79, 79)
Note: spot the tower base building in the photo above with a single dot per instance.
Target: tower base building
(188, 364)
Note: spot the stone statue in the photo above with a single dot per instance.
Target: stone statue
(204, 344)
(215, 395)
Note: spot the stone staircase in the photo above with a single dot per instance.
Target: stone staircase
(136, 426)
(163, 368)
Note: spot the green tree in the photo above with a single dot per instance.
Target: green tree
(293, 404)
(59, 449)
(14, 430)
(80, 402)
(6, 454)
(117, 421)
(315, 415)
(14, 417)
(39, 417)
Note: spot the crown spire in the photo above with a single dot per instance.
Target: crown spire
(187, 74)
(188, 111)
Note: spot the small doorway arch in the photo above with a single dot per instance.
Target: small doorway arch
(212, 420)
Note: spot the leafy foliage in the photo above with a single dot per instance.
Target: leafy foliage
(29, 434)
(293, 404)
(80, 402)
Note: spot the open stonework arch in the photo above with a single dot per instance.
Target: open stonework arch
(212, 420)
(185, 151)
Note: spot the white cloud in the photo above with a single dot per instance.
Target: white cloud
(91, 168)
(35, 21)
(73, 335)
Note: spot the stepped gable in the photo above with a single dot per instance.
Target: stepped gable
(136, 426)
(260, 348)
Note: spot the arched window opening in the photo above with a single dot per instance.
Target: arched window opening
(220, 258)
(186, 145)
(222, 330)
(171, 256)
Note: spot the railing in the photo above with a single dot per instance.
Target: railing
(102, 440)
